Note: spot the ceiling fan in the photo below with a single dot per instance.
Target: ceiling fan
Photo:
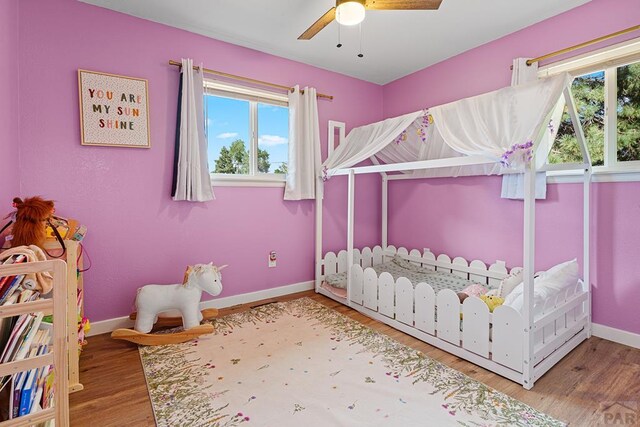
(351, 12)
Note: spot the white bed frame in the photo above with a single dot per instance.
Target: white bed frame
(521, 347)
(491, 340)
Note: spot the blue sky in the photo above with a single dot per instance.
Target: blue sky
(228, 120)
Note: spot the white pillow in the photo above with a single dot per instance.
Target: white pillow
(548, 284)
(509, 283)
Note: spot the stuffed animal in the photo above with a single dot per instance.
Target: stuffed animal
(462, 296)
(492, 301)
(31, 219)
(152, 300)
(476, 290)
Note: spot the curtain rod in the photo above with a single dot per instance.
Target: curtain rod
(585, 44)
(246, 79)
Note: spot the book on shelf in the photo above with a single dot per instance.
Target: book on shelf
(11, 289)
(17, 383)
(7, 323)
(32, 383)
(21, 337)
(9, 283)
(18, 334)
(31, 390)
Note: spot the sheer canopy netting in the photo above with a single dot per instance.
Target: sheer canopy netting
(499, 126)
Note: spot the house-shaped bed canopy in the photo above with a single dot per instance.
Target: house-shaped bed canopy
(487, 134)
(510, 130)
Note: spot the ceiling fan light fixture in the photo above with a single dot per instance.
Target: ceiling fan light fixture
(350, 12)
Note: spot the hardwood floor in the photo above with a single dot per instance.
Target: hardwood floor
(577, 390)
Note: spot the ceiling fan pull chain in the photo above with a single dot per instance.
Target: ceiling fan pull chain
(360, 55)
(339, 45)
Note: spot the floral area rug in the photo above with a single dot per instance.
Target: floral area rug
(299, 363)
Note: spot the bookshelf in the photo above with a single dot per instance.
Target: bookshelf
(57, 356)
(74, 283)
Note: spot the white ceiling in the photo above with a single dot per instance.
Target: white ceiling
(395, 43)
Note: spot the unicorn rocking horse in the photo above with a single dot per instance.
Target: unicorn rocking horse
(152, 300)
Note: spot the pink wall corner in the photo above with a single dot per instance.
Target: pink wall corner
(466, 217)
(486, 67)
(137, 235)
(9, 105)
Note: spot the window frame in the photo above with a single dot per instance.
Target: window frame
(607, 59)
(254, 97)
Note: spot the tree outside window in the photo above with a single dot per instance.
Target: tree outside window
(589, 93)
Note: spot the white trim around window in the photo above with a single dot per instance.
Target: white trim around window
(607, 59)
(598, 175)
(254, 96)
(263, 180)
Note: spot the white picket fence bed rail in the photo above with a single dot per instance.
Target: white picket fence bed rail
(494, 341)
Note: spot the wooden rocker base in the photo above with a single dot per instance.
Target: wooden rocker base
(167, 322)
(161, 339)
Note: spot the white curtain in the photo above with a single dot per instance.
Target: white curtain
(365, 141)
(486, 125)
(492, 123)
(304, 145)
(422, 141)
(523, 73)
(513, 184)
(191, 170)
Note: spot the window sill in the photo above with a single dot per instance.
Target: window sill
(268, 180)
(599, 174)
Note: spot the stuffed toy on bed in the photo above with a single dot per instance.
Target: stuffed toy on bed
(492, 301)
(476, 290)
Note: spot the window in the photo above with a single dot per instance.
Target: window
(606, 88)
(588, 92)
(628, 112)
(248, 132)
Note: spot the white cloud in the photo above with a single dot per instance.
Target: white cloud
(227, 135)
(272, 140)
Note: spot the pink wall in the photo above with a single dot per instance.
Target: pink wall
(8, 104)
(137, 235)
(466, 217)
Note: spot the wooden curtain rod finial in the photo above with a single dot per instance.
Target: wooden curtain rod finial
(248, 80)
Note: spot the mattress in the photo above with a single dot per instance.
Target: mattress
(399, 267)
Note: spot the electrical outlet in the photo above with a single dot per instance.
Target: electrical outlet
(273, 258)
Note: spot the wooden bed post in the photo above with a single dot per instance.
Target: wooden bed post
(319, 195)
(350, 229)
(528, 265)
(385, 210)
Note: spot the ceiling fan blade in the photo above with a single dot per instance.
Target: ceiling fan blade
(403, 4)
(317, 26)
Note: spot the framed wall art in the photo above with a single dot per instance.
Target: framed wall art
(114, 110)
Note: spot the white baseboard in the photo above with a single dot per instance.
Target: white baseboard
(109, 325)
(616, 335)
(105, 326)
